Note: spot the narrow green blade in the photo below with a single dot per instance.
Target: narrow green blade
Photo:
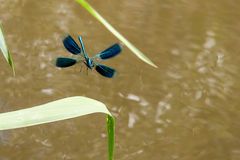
(4, 49)
(111, 138)
(62, 109)
(136, 51)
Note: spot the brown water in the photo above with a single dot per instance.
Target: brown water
(187, 109)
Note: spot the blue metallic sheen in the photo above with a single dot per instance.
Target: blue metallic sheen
(64, 62)
(71, 45)
(105, 71)
(110, 52)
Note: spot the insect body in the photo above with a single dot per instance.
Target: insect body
(90, 62)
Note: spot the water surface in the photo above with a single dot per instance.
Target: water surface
(187, 109)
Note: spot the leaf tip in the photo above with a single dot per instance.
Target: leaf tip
(155, 66)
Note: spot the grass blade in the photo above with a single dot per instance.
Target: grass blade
(111, 138)
(4, 49)
(62, 109)
(136, 51)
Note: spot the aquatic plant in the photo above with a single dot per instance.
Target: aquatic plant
(135, 50)
(4, 49)
(62, 109)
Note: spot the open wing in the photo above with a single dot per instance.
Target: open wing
(71, 45)
(105, 71)
(110, 52)
(64, 62)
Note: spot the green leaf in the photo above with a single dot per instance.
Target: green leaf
(136, 51)
(5, 51)
(62, 109)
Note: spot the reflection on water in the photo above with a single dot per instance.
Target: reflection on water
(186, 109)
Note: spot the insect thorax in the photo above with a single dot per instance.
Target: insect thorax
(89, 63)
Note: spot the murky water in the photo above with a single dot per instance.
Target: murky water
(187, 109)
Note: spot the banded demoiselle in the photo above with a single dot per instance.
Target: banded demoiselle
(91, 62)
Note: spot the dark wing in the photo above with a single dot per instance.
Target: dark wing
(64, 62)
(110, 52)
(105, 70)
(71, 45)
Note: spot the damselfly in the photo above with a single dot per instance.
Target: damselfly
(90, 62)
